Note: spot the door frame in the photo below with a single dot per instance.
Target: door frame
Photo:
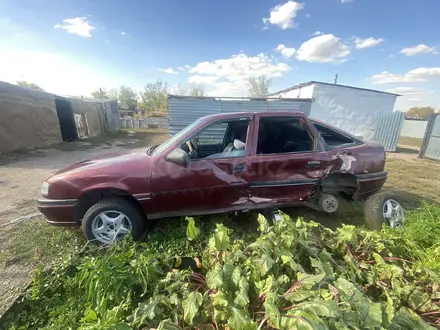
(300, 184)
(242, 202)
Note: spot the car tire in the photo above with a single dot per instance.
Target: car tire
(375, 208)
(328, 203)
(98, 229)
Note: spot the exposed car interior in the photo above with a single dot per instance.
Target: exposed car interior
(277, 135)
(331, 138)
(219, 140)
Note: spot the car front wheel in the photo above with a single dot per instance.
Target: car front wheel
(111, 219)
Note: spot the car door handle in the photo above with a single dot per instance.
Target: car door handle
(313, 163)
(239, 168)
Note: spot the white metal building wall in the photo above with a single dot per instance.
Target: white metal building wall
(351, 109)
(414, 128)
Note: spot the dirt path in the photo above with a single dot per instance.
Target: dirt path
(21, 176)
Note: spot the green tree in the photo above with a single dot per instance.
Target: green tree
(420, 112)
(260, 86)
(197, 90)
(181, 90)
(99, 93)
(192, 89)
(23, 83)
(154, 96)
(111, 94)
(127, 98)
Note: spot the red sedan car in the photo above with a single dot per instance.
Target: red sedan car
(219, 163)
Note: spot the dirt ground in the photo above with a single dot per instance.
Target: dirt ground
(21, 176)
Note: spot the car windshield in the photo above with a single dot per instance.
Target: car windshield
(175, 137)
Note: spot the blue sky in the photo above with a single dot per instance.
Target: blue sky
(72, 47)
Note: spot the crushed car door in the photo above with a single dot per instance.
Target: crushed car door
(284, 167)
(212, 184)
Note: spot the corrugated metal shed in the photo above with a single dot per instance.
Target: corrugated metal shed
(388, 128)
(431, 142)
(183, 110)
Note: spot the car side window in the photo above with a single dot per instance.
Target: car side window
(213, 134)
(278, 135)
(333, 139)
(223, 139)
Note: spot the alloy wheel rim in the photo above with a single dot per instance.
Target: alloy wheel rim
(393, 213)
(110, 225)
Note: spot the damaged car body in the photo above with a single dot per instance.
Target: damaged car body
(232, 162)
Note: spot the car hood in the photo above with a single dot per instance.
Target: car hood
(122, 163)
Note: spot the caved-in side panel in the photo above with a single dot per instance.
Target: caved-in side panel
(201, 185)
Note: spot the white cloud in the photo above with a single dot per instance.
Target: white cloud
(183, 67)
(325, 48)
(414, 99)
(233, 73)
(419, 49)
(78, 25)
(318, 33)
(409, 91)
(285, 51)
(226, 88)
(197, 79)
(345, 1)
(241, 66)
(169, 71)
(416, 75)
(123, 33)
(187, 66)
(392, 56)
(308, 15)
(367, 42)
(283, 15)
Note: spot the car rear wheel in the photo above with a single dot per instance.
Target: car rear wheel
(111, 219)
(328, 203)
(384, 208)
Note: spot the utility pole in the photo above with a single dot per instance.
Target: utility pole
(336, 79)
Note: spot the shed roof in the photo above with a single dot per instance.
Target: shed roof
(239, 98)
(324, 83)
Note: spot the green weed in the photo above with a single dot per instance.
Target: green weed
(292, 274)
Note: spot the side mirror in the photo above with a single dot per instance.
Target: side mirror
(178, 156)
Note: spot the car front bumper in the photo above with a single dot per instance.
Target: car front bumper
(59, 212)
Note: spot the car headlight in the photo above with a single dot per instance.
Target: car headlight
(45, 188)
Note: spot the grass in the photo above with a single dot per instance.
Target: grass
(35, 240)
(410, 141)
(414, 179)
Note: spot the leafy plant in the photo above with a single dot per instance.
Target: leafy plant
(192, 232)
(423, 225)
(294, 275)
